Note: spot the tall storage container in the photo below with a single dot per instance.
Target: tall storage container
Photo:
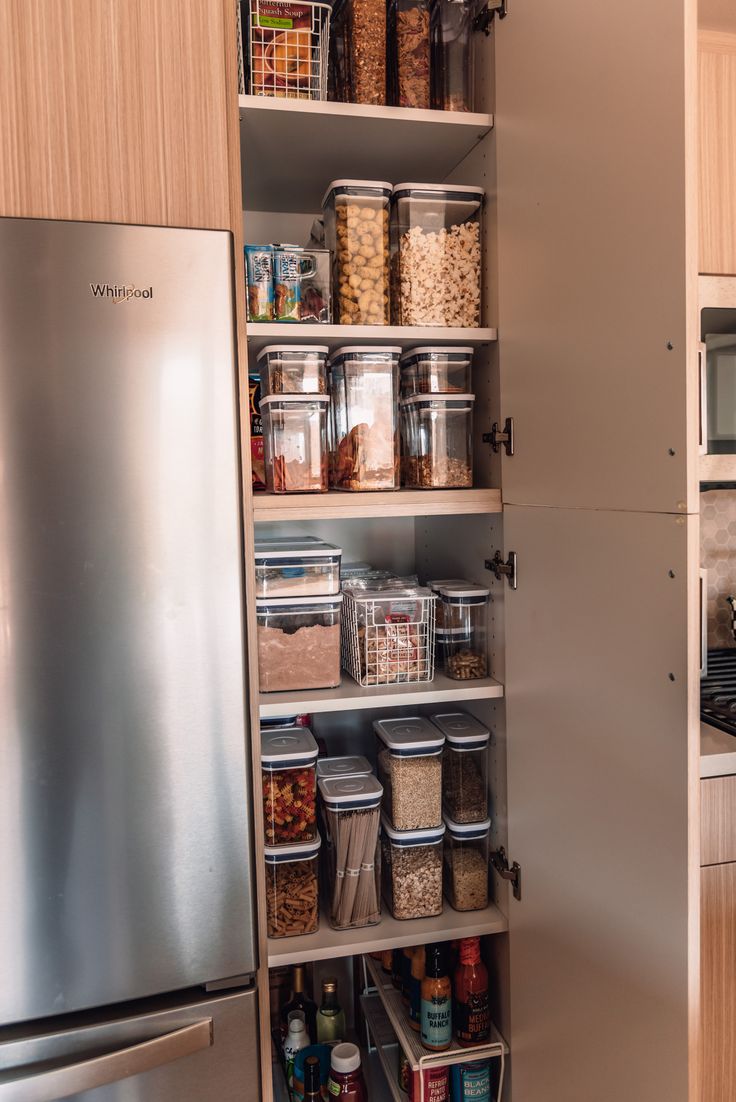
(356, 214)
(365, 418)
(358, 51)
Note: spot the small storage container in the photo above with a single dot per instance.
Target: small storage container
(288, 777)
(466, 864)
(356, 214)
(298, 643)
(292, 889)
(452, 23)
(409, 44)
(411, 870)
(365, 418)
(352, 811)
(436, 254)
(293, 369)
(464, 766)
(435, 587)
(409, 752)
(358, 51)
(349, 766)
(297, 567)
(437, 370)
(295, 443)
(438, 441)
(465, 612)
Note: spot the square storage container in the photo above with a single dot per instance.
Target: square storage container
(411, 870)
(356, 215)
(438, 441)
(409, 46)
(437, 370)
(292, 889)
(295, 443)
(465, 613)
(452, 26)
(293, 369)
(409, 752)
(358, 51)
(291, 567)
(352, 810)
(298, 643)
(347, 766)
(365, 418)
(289, 780)
(464, 766)
(436, 255)
(388, 633)
(466, 864)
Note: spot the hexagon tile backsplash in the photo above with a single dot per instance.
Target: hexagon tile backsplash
(718, 557)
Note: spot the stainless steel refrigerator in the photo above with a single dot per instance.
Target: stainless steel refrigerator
(127, 949)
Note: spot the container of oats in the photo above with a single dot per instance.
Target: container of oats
(438, 441)
(409, 752)
(466, 864)
(436, 254)
(465, 617)
(356, 214)
(411, 870)
(464, 766)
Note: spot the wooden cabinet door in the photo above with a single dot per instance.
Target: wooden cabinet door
(718, 982)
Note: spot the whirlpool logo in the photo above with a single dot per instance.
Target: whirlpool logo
(120, 293)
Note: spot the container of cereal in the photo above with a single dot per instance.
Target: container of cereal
(365, 418)
(411, 870)
(438, 440)
(356, 214)
(295, 443)
(409, 751)
(409, 36)
(292, 881)
(464, 766)
(465, 613)
(289, 782)
(466, 864)
(352, 810)
(298, 643)
(293, 369)
(354, 765)
(436, 370)
(436, 254)
(297, 567)
(358, 51)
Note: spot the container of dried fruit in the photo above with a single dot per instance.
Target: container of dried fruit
(408, 59)
(436, 370)
(351, 809)
(465, 612)
(411, 870)
(292, 889)
(356, 215)
(466, 864)
(365, 418)
(293, 369)
(452, 54)
(298, 643)
(295, 443)
(358, 52)
(409, 752)
(436, 254)
(297, 567)
(438, 438)
(464, 766)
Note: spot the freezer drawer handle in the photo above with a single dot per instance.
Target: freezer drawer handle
(68, 1079)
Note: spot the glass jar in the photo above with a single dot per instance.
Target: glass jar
(356, 214)
(292, 882)
(409, 752)
(358, 52)
(452, 54)
(411, 870)
(466, 864)
(438, 433)
(295, 443)
(298, 643)
(436, 370)
(409, 53)
(289, 784)
(291, 369)
(305, 567)
(466, 612)
(464, 766)
(436, 255)
(352, 810)
(365, 418)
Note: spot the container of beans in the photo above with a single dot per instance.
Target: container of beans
(356, 214)
(465, 611)
(289, 781)
(438, 441)
(436, 370)
(292, 883)
(295, 443)
(411, 870)
(464, 766)
(466, 864)
(409, 751)
(293, 369)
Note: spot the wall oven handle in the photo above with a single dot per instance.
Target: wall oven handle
(65, 1079)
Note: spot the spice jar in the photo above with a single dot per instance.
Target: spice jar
(288, 775)
(365, 420)
(438, 436)
(410, 769)
(464, 766)
(356, 214)
(409, 53)
(411, 870)
(465, 614)
(466, 864)
(293, 369)
(291, 889)
(436, 370)
(295, 442)
(298, 643)
(358, 52)
(436, 254)
(352, 810)
(302, 567)
(452, 54)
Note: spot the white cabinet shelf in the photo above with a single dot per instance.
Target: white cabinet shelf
(261, 333)
(338, 505)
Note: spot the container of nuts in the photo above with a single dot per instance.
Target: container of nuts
(465, 615)
(437, 431)
(356, 214)
(292, 889)
(409, 751)
(411, 870)
(466, 864)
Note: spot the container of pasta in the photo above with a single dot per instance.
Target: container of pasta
(292, 889)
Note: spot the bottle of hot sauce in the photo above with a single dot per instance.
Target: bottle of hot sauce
(415, 988)
(471, 1014)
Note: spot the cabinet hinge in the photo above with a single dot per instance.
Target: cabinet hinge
(503, 569)
(512, 873)
(486, 15)
(498, 439)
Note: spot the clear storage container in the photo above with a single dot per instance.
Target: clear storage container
(295, 443)
(438, 441)
(409, 752)
(352, 810)
(356, 214)
(436, 370)
(435, 587)
(464, 766)
(289, 781)
(292, 889)
(436, 254)
(365, 418)
(358, 51)
(411, 870)
(409, 45)
(354, 765)
(452, 54)
(465, 611)
(466, 864)
(298, 643)
(293, 369)
(303, 567)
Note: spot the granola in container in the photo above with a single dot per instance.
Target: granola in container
(358, 52)
(409, 752)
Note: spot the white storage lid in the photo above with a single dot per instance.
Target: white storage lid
(436, 350)
(294, 399)
(362, 349)
(296, 603)
(297, 349)
(288, 547)
(375, 185)
(354, 765)
(417, 399)
(467, 830)
(348, 793)
(464, 590)
(461, 729)
(427, 836)
(283, 747)
(436, 586)
(410, 735)
(278, 855)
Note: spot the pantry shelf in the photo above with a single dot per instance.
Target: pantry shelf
(291, 148)
(262, 333)
(401, 503)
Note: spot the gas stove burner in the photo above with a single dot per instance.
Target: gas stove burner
(718, 691)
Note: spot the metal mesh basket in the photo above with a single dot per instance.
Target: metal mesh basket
(387, 638)
(287, 48)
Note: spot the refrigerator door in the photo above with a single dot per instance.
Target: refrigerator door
(124, 833)
(205, 1050)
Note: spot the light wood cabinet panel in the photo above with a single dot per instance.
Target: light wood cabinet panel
(718, 820)
(717, 95)
(718, 982)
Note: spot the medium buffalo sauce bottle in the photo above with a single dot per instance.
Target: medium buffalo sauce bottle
(471, 1014)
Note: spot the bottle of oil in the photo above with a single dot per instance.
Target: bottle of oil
(330, 1016)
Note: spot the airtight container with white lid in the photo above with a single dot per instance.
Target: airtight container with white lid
(293, 369)
(465, 612)
(364, 384)
(352, 810)
(354, 765)
(464, 766)
(297, 567)
(409, 751)
(292, 889)
(356, 214)
(466, 864)
(295, 442)
(437, 430)
(298, 642)
(411, 870)
(288, 778)
(434, 369)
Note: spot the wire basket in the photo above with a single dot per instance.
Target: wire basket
(388, 638)
(288, 47)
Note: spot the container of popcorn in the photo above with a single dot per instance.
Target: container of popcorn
(436, 254)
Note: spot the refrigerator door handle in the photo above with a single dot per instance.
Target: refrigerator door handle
(67, 1079)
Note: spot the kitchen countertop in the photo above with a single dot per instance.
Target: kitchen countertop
(717, 752)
